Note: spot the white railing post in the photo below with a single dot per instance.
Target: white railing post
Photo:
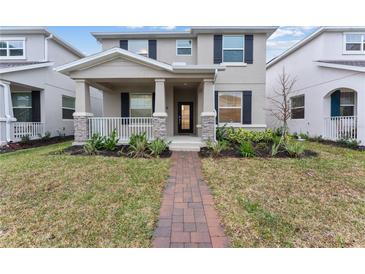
(339, 127)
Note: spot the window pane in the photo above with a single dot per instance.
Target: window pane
(67, 113)
(347, 98)
(22, 99)
(353, 47)
(233, 56)
(347, 111)
(230, 115)
(2, 52)
(141, 112)
(16, 44)
(297, 101)
(3, 44)
(184, 51)
(183, 43)
(138, 47)
(232, 42)
(230, 99)
(141, 105)
(16, 52)
(68, 102)
(350, 38)
(297, 113)
(23, 114)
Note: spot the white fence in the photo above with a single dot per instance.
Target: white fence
(125, 127)
(339, 127)
(30, 129)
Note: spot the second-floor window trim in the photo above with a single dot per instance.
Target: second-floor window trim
(233, 49)
(184, 47)
(354, 43)
(138, 47)
(12, 48)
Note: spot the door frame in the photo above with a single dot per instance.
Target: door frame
(191, 129)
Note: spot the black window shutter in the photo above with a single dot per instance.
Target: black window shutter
(153, 102)
(249, 49)
(125, 104)
(217, 49)
(247, 107)
(152, 49)
(36, 106)
(216, 106)
(123, 44)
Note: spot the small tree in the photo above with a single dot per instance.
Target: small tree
(280, 101)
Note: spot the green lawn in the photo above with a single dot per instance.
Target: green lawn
(313, 202)
(76, 201)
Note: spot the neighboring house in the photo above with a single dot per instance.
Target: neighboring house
(34, 98)
(173, 83)
(329, 97)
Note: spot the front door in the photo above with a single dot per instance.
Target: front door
(185, 117)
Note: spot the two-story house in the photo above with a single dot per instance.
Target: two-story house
(173, 84)
(328, 98)
(34, 98)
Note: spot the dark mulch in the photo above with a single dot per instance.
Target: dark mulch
(121, 151)
(260, 151)
(34, 143)
(337, 144)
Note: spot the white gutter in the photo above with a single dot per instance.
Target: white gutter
(46, 47)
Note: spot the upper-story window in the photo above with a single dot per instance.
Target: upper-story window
(12, 48)
(183, 47)
(233, 47)
(139, 47)
(355, 43)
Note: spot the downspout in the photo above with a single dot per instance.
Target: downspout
(46, 46)
(215, 125)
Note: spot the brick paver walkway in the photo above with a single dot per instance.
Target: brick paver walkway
(187, 215)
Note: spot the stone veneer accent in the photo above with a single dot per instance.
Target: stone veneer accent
(81, 124)
(208, 127)
(159, 126)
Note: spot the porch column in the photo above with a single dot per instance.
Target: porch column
(82, 112)
(208, 114)
(361, 117)
(6, 113)
(160, 116)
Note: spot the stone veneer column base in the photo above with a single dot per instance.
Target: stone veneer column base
(159, 126)
(208, 126)
(81, 125)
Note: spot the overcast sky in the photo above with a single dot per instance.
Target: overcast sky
(80, 37)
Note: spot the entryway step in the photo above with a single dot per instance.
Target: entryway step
(184, 147)
(185, 143)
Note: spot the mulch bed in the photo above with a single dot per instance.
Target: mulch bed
(121, 151)
(337, 144)
(10, 147)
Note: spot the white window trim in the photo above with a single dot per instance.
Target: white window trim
(291, 107)
(62, 107)
(351, 52)
(191, 47)
(7, 49)
(243, 50)
(137, 93)
(148, 49)
(230, 124)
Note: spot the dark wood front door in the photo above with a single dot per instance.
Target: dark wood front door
(185, 117)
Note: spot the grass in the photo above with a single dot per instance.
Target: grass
(58, 200)
(312, 202)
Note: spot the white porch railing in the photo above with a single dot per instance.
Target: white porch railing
(125, 127)
(339, 127)
(30, 129)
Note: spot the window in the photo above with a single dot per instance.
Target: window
(140, 105)
(12, 48)
(355, 43)
(297, 107)
(68, 107)
(230, 107)
(183, 47)
(233, 47)
(22, 106)
(347, 104)
(139, 47)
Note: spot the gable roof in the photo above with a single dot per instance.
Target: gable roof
(113, 53)
(44, 31)
(306, 40)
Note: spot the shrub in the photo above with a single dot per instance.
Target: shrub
(351, 143)
(25, 139)
(246, 149)
(136, 138)
(316, 138)
(110, 143)
(46, 136)
(303, 136)
(90, 148)
(157, 146)
(277, 144)
(217, 147)
(95, 143)
(221, 133)
(294, 149)
(241, 135)
(138, 145)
